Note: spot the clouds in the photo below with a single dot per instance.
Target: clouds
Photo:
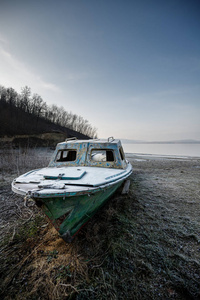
(16, 74)
(132, 69)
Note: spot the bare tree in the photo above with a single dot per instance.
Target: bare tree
(38, 106)
(25, 98)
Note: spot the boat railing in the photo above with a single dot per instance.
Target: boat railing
(70, 139)
(111, 139)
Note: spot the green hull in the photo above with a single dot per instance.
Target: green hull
(69, 214)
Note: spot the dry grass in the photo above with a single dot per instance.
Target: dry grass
(16, 161)
(142, 246)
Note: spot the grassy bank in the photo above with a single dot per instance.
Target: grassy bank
(142, 246)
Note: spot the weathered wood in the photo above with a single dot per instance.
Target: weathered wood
(126, 186)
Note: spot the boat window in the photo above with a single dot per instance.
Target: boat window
(102, 155)
(121, 151)
(66, 155)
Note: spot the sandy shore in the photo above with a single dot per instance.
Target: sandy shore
(172, 179)
(151, 249)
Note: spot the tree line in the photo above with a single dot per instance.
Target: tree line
(35, 106)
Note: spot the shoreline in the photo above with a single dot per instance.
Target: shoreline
(159, 156)
(191, 150)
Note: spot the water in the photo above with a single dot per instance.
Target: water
(164, 149)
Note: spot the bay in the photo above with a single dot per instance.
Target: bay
(163, 149)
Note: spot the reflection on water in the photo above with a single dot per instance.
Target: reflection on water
(164, 149)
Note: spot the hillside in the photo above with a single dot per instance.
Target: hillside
(28, 118)
(24, 129)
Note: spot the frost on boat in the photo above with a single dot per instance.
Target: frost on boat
(81, 176)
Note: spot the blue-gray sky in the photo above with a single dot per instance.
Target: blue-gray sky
(131, 67)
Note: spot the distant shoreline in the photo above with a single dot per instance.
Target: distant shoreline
(148, 156)
(159, 142)
(164, 149)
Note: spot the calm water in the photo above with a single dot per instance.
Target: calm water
(164, 149)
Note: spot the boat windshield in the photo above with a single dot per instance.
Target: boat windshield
(102, 155)
(66, 155)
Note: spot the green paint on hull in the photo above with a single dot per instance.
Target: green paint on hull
(69, 214)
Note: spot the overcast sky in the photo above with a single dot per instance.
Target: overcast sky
(130, 67)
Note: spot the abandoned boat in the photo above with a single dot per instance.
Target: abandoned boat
(81, 176)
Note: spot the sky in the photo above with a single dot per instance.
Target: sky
(130, 67)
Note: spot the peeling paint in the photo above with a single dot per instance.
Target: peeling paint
(80, 177)
(84, 154)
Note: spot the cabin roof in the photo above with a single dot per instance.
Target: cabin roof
(92, 141)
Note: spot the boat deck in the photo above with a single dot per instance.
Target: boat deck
(68, 180)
